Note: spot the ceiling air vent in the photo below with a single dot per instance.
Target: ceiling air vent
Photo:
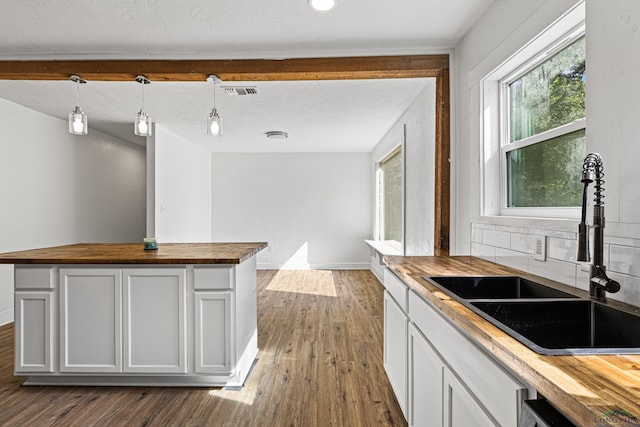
(240, 90)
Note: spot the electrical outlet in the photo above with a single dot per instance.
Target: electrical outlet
(540, 248)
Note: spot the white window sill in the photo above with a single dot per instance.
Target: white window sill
(383, 248)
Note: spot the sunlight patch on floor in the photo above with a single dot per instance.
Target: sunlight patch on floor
(313, 282)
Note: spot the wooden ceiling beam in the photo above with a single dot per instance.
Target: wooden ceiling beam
(345, 68)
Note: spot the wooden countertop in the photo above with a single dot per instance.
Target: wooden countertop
(133, 253)
(585, 388)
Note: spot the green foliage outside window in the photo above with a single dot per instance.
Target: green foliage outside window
(546, 174)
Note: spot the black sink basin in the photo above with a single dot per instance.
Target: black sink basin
(495, 287)
(565, 327)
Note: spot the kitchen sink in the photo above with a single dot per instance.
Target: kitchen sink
(495, 287)
(565, 327)
(547, 320)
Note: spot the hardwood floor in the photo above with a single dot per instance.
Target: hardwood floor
(320, 364)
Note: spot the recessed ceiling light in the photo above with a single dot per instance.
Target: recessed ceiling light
(277, 134)
(322, 5)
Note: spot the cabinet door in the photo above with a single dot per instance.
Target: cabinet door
(90, 320)
(426, 372)
(395, 348)
(33, 332)
(155, 320)
(213, 332)
(461, 408)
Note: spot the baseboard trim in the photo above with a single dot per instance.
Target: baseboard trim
(318, 266)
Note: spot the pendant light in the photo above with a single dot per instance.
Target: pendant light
(142, 125)
(78, 119)
(322, 5)
(214, 122)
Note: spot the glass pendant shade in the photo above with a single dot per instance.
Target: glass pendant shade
(77, 118)
(322, 5)
(78, 122)
(142, 125)
(214, 124)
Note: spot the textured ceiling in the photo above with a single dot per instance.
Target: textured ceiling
(319, 116)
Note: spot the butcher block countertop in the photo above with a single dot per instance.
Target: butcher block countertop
(587, 389)
(134, 253)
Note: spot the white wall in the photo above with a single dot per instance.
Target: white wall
(419, 168)
(179, 189)
(59, 188)
(613, 109)
(312, 208)
(506, 27)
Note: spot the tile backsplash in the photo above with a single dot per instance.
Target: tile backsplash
(514, 247)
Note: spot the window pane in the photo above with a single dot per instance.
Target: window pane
(547, 174)
(391, 204)
(550, 95)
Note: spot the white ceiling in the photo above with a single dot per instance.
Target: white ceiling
(319, 116)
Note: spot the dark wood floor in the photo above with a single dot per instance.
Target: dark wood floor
(320, 364)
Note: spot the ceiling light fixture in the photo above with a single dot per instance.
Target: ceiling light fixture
(322, 5)
(78, 119)
(277, 134)
(214, 122)
(142, 125)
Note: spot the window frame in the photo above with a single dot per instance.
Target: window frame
(398, 149)
(495, 123)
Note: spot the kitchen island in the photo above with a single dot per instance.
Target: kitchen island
(116, 314)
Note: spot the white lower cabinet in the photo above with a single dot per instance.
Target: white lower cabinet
(155, 325)
(90, 320)
(154, 320)
(426, 372)
(460, 406)
(395, 348)
(213, 332)
(33, 326)
(440, 377)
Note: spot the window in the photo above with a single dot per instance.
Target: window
(545, 108)
(533, 125)
(389, 204)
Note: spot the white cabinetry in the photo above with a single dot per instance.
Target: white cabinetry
(34, 320)
(461, 409)
(476, 390)
(33, 332)
(213, 332)
(154, 320)
(439, 376)
(426, 372)
(154, 325)
(396, 323)
(90, 320)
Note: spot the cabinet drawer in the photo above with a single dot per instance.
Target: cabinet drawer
(396, 288)
(34, 278)
(213, 277)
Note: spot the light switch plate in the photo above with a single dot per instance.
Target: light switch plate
(540, 248)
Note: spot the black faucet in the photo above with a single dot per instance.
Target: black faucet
(599, 282)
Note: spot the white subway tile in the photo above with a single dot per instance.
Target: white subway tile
(560, 271)
(624, 259)
(501, 239)
(512, 259)
(522, 242)
(483, 251)
(562, 249)
(476, 235)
